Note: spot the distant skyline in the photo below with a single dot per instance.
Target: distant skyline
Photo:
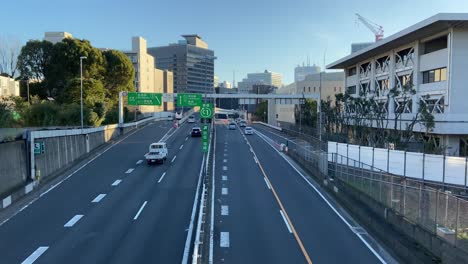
(246, 35)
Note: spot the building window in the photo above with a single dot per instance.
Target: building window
(351, 89)
(437, 75)
(435, 44)
(334, 89)
(309, 89)
(352, 71)
(314, 89)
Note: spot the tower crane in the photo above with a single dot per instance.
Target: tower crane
(375, 28)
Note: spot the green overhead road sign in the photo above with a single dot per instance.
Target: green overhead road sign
(144, 98)
(206, 110)
(39, 148)
(189, 99)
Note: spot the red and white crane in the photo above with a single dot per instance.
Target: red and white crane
(375, 28)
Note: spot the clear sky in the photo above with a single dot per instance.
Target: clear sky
(246, 35)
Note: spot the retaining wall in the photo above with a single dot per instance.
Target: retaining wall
(13, 166)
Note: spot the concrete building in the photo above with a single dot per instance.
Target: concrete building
(226, 85)
(55, 37)
(149, 79)
(191, 62)
(9, 87)
(432, 57)
(266, 77)
(300, 72)
(215, 81)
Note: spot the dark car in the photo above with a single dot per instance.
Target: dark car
(196, 132)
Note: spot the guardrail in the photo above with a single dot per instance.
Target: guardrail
(268, 125)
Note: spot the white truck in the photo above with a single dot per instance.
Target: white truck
(157, 153)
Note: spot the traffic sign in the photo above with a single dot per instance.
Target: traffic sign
(205, 146)
(144, 98)
(205, 137)
(189, 99)
(206, 110)
(39, 148)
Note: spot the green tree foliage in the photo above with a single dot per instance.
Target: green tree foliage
(34, 60)
(306, 114)
(119, 74)
(262, 111)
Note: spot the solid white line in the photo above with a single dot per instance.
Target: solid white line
(224, 178)
(35, 255)
(139, 211)
(325, 199)
(224, 160)
(255, 158)
(181, 146)
(130, 170)
(224, 239)
(173, 158)
(139, 162)
(117, 182)
(99, 198)
(162, 176)
(73, 221)
(268, 185)
(224, 168)
(224, 191)
(224, 210)
(213, 189)
(286, 222)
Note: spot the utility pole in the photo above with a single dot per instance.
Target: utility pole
(320, 107)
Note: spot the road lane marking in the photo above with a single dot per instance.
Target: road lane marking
(224, 178)
(224, 210)
(139, 162)
(139, 211)
(225, 150)
(129, 170)
(224, 191)
(224, 168)
(286, 222)
(224, 160)
(256, 160)
(224, 239)
(173, 158)
(181, 146)
(162, 176)
(186, 138)
(268, 185)
(35, 255)
(117, 182)
(225, 155)
(99, 198)
(73, 221)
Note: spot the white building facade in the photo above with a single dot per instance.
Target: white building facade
(432, 57)
(9, 87)
(266, 77)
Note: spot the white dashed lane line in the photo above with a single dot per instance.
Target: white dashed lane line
(35, 255)
(99, 198)
(224, 177)
(139, 211)
(224, 210)
(224, 191)
(181, 146)
(139, 162)
(129, 170)
(224, 168)
(267, 184)
(224, 239)
(286, 221)
(73, 221)
(224, 160)
(116, 182)
(162, 176)
(173, 158)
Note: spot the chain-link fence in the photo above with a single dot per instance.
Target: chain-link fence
(439, 212)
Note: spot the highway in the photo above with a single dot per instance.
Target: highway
(116, 209)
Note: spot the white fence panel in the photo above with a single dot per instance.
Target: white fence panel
(396, 163)
(331, 149)
(455, 170)
(353, 154)
(343, 151)
(414, 165)
(433, 167)
(366, 155)
(380, 158)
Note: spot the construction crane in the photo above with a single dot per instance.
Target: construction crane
(375, 28)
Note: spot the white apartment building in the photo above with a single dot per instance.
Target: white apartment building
(431, 55)
(55, 37)
(9, 87)
(266, 77)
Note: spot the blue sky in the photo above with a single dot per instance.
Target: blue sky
(247, 35)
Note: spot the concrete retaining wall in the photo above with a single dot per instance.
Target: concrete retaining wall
(13, 166)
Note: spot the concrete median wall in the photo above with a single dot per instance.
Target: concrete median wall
(13, 166)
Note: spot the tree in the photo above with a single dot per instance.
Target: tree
(119, 75)
(262, 111)
(306, 114)
(34, 59)
(9, 50)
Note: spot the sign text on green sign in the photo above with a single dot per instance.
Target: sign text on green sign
(205, 137)
(189, 99)
(144, 98)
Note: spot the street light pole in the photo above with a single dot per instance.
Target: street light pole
(81, 84)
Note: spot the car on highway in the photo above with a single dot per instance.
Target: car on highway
(232, 126)
(157, 153)
(178, 115)
(191, 119)
(248, 131)
(242, 123)
(196, 132)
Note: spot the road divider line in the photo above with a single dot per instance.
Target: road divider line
(139, 211)
(139, 162)
(130, 170)
(224, 240)
(186, 138)
(224, 191)
(173, 159)
(225, 154)
(267, 184)
(224, 210)
(255, 159)
(286, 222)
(35, 255)
(225, 178)
(73, 221)
(181, 146)
(224, 160)
(116, 182)
(99, 198)
(224, 168)
(162, 176)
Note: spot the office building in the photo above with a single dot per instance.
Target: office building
(225, 84)
(431, 57)
(9, 87)
(300, 72)
(191, 62)
(266, 77)
(55, 37)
